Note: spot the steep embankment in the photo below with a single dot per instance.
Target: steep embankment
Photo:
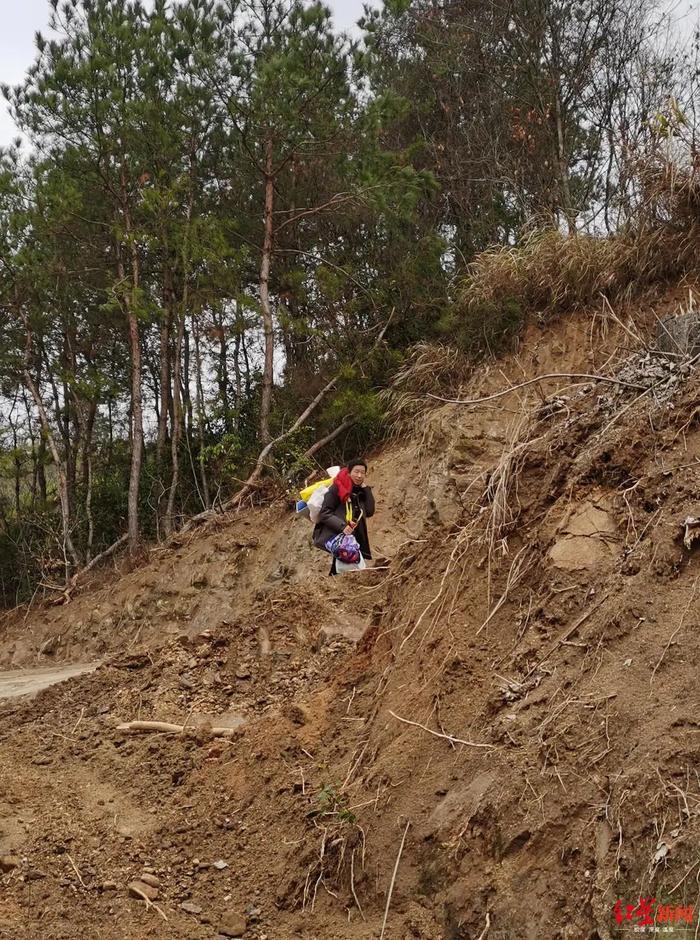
(514, 694)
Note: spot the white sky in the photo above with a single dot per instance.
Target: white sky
(22, 18)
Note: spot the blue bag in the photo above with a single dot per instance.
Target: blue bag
(345, 548)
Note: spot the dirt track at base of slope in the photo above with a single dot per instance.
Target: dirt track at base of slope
(20, 682)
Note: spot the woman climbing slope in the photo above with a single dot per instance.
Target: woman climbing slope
(347, 505)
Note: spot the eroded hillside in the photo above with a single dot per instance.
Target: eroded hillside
(506, 706)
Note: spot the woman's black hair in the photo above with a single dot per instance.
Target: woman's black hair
(358, 462)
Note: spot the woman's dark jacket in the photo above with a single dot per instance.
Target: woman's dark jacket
(332, 518)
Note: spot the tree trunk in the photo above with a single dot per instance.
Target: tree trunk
(268, 328)
(68, 450)
(69, 548)
(168, 523)
(17, 462)
(222, 371)
(137, 437)
(180, 394)
(88, 511)
(86, 472)
(110, 432)
(32, 439)
(60, 471)
(165, 395)
(130, 300)
(237, 371)
(200, 413)
(186, 394)
(41, 469)
(563, 164)
(88, 430)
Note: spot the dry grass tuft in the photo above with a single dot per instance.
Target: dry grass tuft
(553, 273)
(430, 366)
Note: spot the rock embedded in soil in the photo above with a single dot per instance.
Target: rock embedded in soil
(139, 888)
(8, 862)
(189, 908)
(151, 880)
(232, 925)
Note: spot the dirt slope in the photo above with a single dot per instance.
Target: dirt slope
(515, 693)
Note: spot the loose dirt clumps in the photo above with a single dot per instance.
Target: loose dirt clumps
(493, 734)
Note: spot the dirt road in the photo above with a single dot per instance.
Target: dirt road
(19, 682)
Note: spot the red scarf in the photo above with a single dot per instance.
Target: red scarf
(344, 484)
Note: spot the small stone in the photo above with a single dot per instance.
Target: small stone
(189, 908)
(243, 672)
(42, 761)
(233, 925)
(8, 862)
(109, 886)
(151, 880)
(220, 865)
(137, 889)
(49, 647)
(297, 714)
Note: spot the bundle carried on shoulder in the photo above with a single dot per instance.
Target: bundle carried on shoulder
(311, 498)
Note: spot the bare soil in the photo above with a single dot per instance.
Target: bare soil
(514, 691)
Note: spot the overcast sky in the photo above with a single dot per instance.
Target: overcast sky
(22, 18)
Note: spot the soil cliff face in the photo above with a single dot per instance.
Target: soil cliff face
(492, 734)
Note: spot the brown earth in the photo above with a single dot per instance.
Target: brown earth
(514, 692)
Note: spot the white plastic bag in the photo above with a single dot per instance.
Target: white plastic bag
(316, 499)
(316, 502)
(342, 568)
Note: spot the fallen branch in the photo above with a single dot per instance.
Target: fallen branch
(393, 880)
(99, 558)
(484, 932)
(352, 885)
(149, 903)
(437, 734)
(75, 869)
(540, 378)
(69, 587)
(252, 480)
(80, 718)
(319, 445)
(164, 727)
